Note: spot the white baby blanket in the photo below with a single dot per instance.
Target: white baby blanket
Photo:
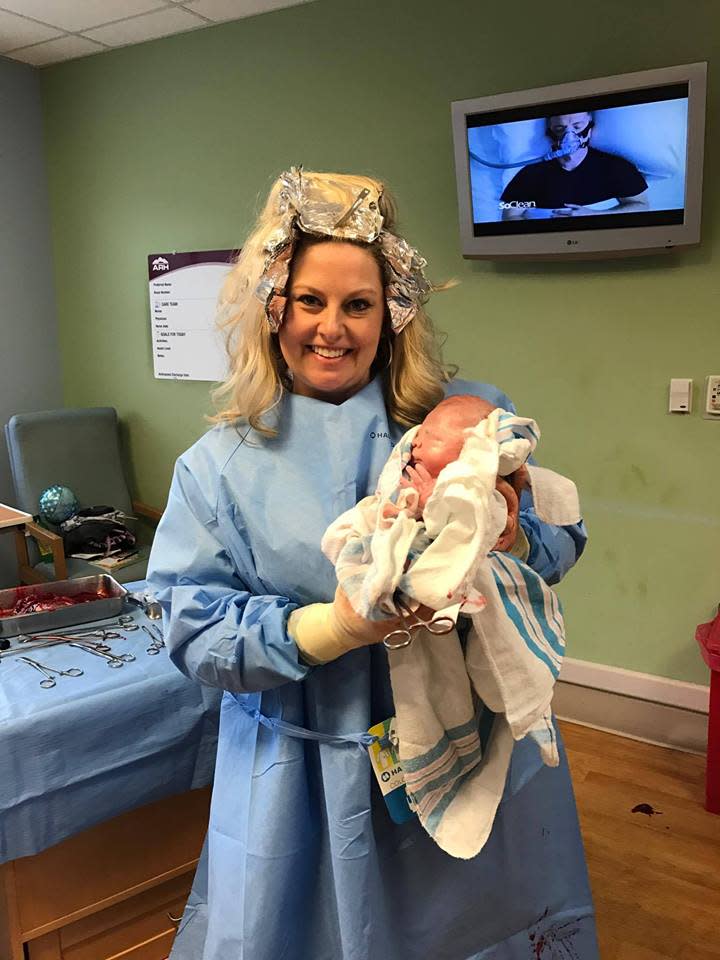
(514, 648)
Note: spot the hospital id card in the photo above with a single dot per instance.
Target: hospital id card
(388, 770)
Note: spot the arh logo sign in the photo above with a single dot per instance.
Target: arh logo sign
(160, 263)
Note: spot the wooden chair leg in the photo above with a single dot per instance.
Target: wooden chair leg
(21, 547)
(26, 574)
(56, 546)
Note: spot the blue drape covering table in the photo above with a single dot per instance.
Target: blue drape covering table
(96, 746)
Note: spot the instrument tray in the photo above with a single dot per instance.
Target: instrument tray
(110, 599)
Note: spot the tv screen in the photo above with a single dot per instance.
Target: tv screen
(593, 167)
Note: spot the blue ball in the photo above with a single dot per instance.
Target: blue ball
(57, 504)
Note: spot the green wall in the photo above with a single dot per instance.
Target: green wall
(170, 145)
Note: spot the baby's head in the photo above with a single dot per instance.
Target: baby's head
(440, 440)
(442, 433)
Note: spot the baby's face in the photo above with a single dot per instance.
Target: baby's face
(437, 443)
(441, 436)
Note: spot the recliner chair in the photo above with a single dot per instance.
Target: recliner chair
(79, 448)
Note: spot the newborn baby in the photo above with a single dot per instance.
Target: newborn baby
(442, 531)
(438, 442)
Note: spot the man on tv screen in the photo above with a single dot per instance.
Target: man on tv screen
(577, 176)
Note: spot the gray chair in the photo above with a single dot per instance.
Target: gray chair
(79, 448)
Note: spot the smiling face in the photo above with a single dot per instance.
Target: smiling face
(333, 320)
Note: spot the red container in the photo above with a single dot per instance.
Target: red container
(708, 638)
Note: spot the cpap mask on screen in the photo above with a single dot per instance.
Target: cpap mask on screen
(569, 142)
(563, 146)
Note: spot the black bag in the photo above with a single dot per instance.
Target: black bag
(97, 530)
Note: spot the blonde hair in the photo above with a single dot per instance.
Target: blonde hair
(413, 373)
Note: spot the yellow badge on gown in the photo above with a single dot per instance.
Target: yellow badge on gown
(388, 770)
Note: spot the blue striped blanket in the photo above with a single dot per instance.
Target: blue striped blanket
(513, 649)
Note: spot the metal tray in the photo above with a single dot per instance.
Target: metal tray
(111, 597)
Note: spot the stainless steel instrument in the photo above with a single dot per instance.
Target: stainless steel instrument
(109, 603)
(156, 640)
(50, 672)
(125, 623)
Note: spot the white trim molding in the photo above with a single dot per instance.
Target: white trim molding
(659, 710)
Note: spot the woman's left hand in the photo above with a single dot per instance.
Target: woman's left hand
(506, 539)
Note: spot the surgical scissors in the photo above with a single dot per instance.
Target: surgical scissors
(112, 659)
(48, 672)
(99, 649)
(81, 643)
(124, 622)
(108, 628)
(403, 637)
(156, 641)
(102, 636)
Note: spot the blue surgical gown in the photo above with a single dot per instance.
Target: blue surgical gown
(302, 861)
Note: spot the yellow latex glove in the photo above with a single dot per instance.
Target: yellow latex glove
(325, 631)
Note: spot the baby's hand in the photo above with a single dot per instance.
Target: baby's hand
(419, 478)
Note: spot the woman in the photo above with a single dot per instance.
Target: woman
(332, 357)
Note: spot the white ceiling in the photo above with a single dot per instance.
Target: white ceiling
(47, 31)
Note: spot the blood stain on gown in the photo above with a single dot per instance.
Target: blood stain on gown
(554, 937)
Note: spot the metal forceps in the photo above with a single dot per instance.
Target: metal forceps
(112, 631)
(81, 642)
(112, 659)
(156, 640)
(50, 672)
(397, 639)
(87, 638)
(124, 622)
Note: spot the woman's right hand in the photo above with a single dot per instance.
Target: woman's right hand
(358, 630)
(325, 631)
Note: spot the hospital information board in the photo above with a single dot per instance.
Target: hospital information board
(184, 290)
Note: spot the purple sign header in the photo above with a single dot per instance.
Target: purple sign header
(164, 263)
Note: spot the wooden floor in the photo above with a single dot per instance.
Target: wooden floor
(655, 877)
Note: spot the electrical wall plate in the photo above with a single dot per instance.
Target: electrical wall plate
(681, 393)
(711, 401)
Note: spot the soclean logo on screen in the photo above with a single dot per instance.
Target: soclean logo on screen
(516, 204)
(160, 263)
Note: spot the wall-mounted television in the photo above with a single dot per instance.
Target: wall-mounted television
(594, 168)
